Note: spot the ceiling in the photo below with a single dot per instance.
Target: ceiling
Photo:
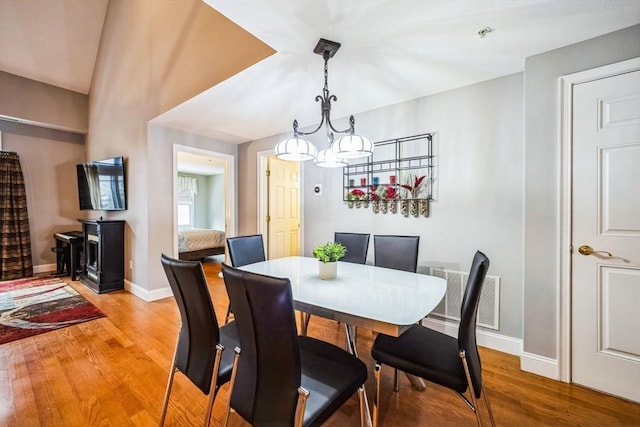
(199, 164)
(392, 51)
(51, 41)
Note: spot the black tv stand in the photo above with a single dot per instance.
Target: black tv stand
(103, 266)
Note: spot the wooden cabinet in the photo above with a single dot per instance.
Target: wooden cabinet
(103, 264)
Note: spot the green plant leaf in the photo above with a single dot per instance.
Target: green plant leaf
(329, 252)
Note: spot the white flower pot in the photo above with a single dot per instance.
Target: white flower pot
(327, 270)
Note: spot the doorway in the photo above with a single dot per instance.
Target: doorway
(279, 205)
(218, 172)
(600, 291)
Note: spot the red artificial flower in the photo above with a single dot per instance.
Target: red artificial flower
(416, 184)
(357, 192)
(390, 193)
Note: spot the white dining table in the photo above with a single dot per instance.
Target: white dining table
(380, 299)
(383, 300)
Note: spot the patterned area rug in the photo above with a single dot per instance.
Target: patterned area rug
(35, 305)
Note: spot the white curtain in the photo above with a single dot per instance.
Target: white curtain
(188, 183)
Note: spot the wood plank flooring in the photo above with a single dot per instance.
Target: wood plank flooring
(113, 371)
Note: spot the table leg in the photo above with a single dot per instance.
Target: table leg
(304, 323)
(417, 383)
(349, 330)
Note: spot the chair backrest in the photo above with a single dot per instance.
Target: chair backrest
(245, 250)
(357, 245)
(269, 368)
(199, 333)
(397, 252)
(468, 314)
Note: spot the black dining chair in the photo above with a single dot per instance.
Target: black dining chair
(244, 250)
(284, 379)
(397, 252)
(200, 349)
(357, 245)
(434, 356)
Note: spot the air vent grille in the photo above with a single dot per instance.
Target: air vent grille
(488, 307)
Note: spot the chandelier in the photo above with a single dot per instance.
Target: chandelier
(349, 146)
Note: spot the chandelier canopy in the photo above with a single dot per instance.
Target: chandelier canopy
(349, 146)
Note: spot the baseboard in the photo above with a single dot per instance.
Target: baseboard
(145, 294)
(540, 365)
(129, 286)
(44, 268)
(484, 338)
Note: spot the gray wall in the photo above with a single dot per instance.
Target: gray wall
(209, 203)
(480, 184)
(48, 159)
(153, 56)
(42, 103)
(542, 181)
(48, 155)
(160, 200)
(497, 187)
(217, 201)
(479, 179)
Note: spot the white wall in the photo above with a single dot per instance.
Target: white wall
(153, 56)
(216, 201)
(48, 160)
(160, 200)
(480, 179)
(541, 252)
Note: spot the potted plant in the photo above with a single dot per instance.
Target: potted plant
(328, 255)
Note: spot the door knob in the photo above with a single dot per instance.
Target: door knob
(588, 250)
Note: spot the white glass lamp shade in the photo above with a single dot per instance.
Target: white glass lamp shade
(352, 146)
(296, 149)
(326, 159)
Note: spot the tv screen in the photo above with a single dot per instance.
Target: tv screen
(101, 185)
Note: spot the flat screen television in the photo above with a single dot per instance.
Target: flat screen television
(101, 185)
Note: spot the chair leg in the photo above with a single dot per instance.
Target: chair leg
(365, 415)
(486, 401)
(167, 392)
(303, 394)
(396, 383)
(214, 382)
(376, 393)
(228, 315)
(473, 404)
(232, 382)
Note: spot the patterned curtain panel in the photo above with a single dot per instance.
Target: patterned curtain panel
(15, 245)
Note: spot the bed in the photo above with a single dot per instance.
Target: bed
(199, 243)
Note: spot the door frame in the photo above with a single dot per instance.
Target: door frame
(262, 158)
(230, 208)
(565, 197)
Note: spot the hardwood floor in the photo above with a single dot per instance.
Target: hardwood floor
(113, 371)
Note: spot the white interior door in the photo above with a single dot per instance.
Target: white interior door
(283, 208)
(605, 289)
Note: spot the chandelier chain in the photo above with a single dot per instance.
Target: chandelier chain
(325, 106)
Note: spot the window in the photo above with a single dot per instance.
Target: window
(185, 209)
